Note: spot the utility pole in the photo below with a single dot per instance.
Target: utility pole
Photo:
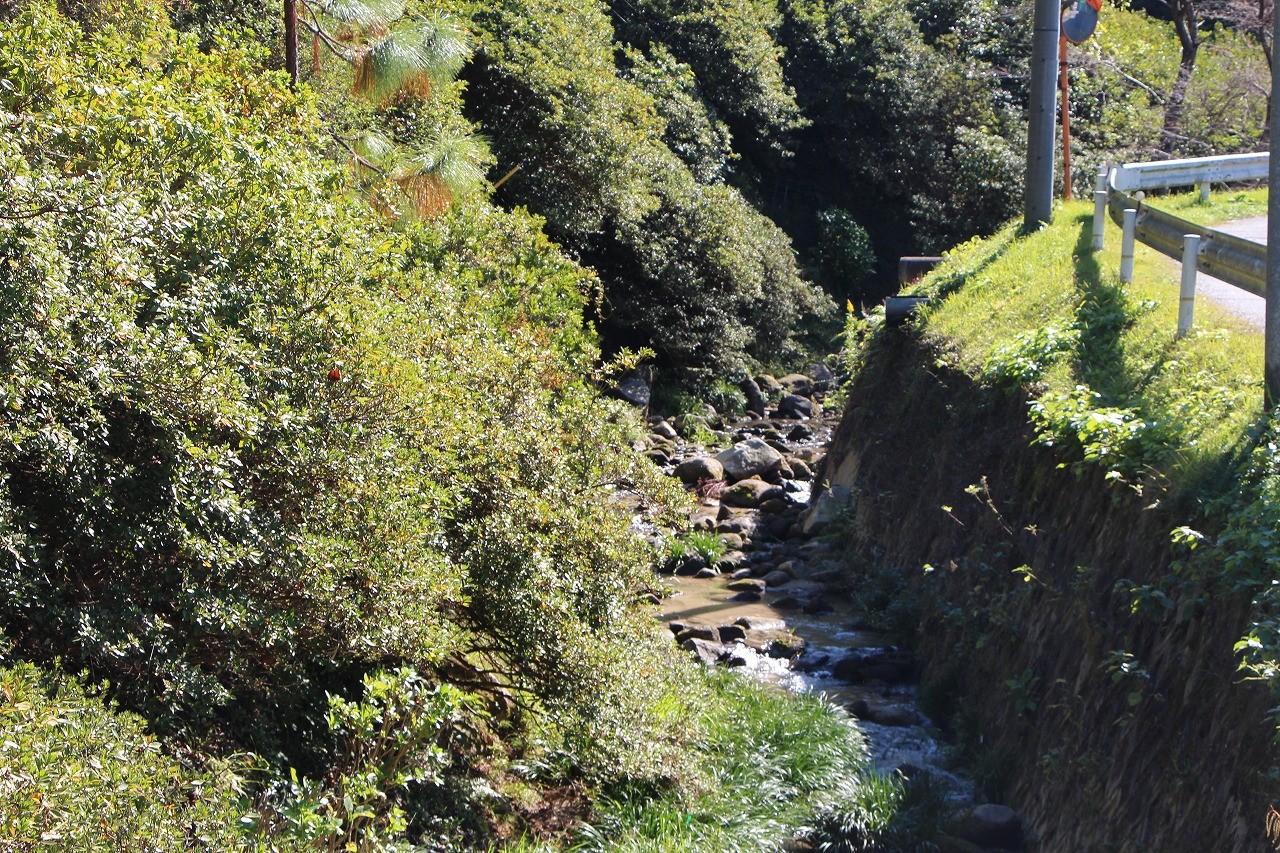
(1271, 346)
(1064, 84)
(1042, 120)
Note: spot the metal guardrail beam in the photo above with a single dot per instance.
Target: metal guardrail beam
(1233, 259)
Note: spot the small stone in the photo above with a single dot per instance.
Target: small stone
(776, 644)
(697, 632)
(731, 633)
(775, 579)
(760, 623)
(788, 602)
(658, 457)
(665, 430)
(706, 573)
(732, 541)
(800, 470)
(707, 651)
(745, 597)
(740, 574)
(704, 517)
(799, 432)
(731, 562)
(893, 715)
(691, 564)
(750, 584)
(742, 526)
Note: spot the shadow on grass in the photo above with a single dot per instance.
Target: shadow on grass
(1102, 317)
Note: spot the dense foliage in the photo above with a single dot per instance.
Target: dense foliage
(258, 444)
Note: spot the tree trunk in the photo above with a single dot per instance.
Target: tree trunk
(1187, 25)
(291, 41)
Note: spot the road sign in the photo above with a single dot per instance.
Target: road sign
(1079, 19)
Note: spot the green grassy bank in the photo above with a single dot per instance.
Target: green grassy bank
(1079, 509)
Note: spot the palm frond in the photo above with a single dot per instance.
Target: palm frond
(429, 52)
(364, 14)
(441, 170)
(374, 147)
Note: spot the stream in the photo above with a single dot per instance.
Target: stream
(779, 582)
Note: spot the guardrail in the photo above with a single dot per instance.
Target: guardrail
(1233, 259)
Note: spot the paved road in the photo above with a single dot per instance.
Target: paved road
(1242, 303)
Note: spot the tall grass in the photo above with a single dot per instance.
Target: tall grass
(774, 763)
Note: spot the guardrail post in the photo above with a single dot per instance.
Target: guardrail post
(1204, 192)
(1099, 219)
(1187, 300)
(1126, 244)
(1100, 183)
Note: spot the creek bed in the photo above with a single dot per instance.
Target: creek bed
(909, 745)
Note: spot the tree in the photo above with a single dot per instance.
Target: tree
(1186, 23)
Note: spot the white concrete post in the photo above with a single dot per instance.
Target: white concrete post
(1099, 219)
(1204, 192)
(1100, 185)
(1126, 245)
(1187, 301)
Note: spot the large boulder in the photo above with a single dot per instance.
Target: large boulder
(797, 383)
(634, 390)
(795, 406)
(700, 468)
(768, 384)
(829, 506)
(992, 825)
(747, 493)
(750, 458)
(755, 399)
(823, 378)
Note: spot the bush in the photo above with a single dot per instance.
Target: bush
(75, 774)
(258, 443)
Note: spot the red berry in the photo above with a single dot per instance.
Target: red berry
(335, 375)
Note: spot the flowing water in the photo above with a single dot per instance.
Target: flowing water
(899, 736)
(904, 742)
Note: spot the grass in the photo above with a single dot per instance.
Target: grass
(774, 765)
(1221, 207)
(1045, 311)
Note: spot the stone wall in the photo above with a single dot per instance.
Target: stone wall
(1121, 731)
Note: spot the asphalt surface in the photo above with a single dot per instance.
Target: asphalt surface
(1241, 303)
